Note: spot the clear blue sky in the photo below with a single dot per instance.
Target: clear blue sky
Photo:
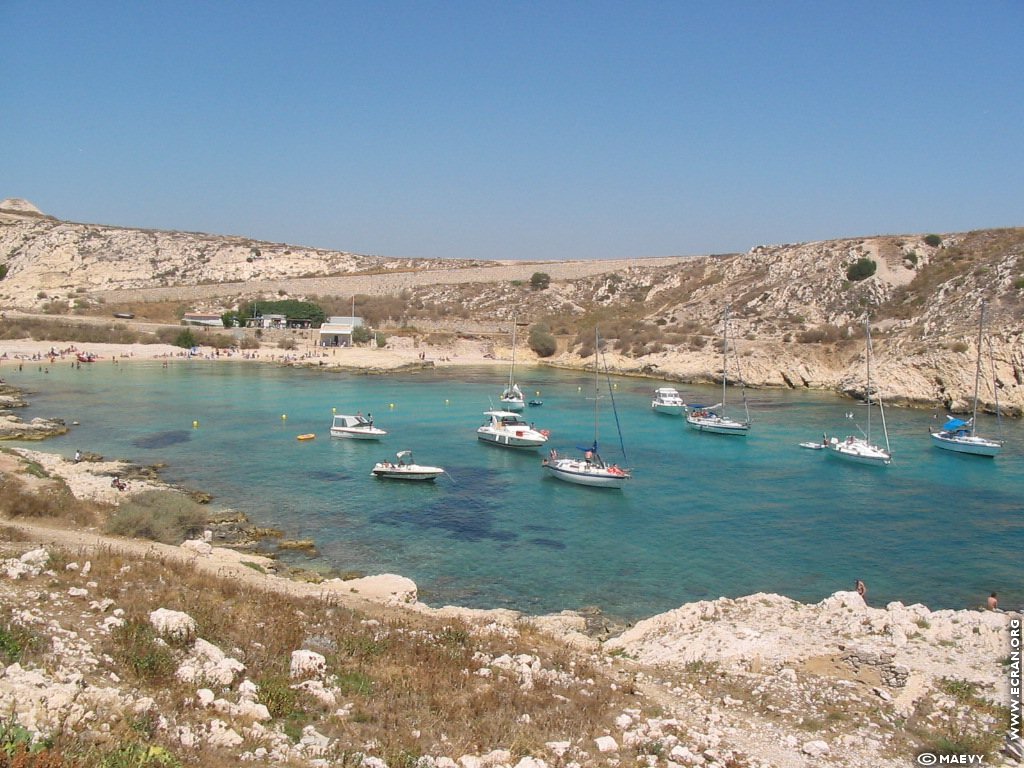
(505, 130)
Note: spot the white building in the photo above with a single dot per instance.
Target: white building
(337, 331)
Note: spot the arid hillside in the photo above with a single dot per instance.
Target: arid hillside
(797, 310)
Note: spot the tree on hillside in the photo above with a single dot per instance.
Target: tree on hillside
(540, 281)
(541, 341)
(861, 269)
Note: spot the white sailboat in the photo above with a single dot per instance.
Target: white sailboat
(591, 469)
(859, 448)
(712, 418)
(511, 398)
(959, 435)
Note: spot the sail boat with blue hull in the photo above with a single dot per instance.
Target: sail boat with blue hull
(958, 434)
(591, 469)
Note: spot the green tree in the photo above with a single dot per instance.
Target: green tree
(541, 341)
(186, 339)
(933, 240)
(540, 281)
(361, 335)
(861, 269)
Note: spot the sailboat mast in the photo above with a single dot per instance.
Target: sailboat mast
(867, 392)
(725, 350)
(977, 368)
(597, 383)
(512, 368)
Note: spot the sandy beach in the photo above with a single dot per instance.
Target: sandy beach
(400, 353)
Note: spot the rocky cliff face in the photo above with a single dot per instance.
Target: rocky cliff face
(796, 316)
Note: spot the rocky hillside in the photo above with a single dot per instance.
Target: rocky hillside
(796, 310)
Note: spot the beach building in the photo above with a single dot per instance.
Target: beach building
(202, 318)
(337, 331)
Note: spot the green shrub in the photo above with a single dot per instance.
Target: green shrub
(185, 339)
(140, 650)
(3, 271)
(165, 516)
(912, 257)
(361, 335)
(861, 269)
(381, 339)
(933, 240)
(540, 280)
(1018, 283)
(541, 341)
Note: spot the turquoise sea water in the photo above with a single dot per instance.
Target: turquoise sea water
(705, 516)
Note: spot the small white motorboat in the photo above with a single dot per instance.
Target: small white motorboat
(667, 400)
(509, 430)
(405, 469)
(358, 427)
(813, 445)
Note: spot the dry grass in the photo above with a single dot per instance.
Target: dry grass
(410, 682)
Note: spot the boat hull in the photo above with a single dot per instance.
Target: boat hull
(358, 434)
(859, 452)
(506, 440)
(515, 405)
(974, 446)
(718, 426)
(667, 408)
(416, 473)
(582, 473)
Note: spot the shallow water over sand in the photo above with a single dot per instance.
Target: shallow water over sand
(705, 515)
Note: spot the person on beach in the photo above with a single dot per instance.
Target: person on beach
(78, 456)
(862, 590)
(993, 602)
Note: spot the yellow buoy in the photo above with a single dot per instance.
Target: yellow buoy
(195, 424)
(284, 416)
(391, 405)
(334, 410)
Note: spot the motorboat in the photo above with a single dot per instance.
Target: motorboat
(859, 448)
(591, 469)
(508, 429)
(405, 469)
(357, 427)
(959, 434)
(712, 418)
(667, 400)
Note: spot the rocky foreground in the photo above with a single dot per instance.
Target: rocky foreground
(755, 681)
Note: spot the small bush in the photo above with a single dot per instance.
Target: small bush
(933, 240)
(139, 649)
(361, 335)
(861, 269)
(1018, 283)
(541, 341)
(3, 271)
(165, 516)
(540, 280)
(185, 339)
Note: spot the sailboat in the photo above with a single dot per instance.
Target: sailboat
(959, 435)
(591, 469)
(860, 449)
(711, 418)
(511, 398)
